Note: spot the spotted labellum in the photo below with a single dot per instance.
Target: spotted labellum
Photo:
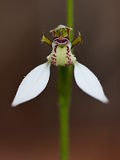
(61, 55)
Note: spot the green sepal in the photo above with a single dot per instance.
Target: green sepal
(77, 40)
(46, 40)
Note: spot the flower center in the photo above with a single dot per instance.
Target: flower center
(61, 41)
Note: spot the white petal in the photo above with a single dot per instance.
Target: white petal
(33, 84)
(88, 82)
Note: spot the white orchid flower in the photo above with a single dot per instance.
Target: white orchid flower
(36, 81)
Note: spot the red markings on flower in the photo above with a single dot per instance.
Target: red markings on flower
(68, 56)
(53, 58)
(68, 50)
(54, 54)
(55, 48)
(68, 30)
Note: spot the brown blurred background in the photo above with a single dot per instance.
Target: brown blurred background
(31, 130)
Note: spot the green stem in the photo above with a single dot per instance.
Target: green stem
(64, 94)
(70, 15)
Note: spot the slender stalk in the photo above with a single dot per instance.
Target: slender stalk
(70, 15)
(64, 95)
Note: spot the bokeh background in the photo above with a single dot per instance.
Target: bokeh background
(31, 130)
